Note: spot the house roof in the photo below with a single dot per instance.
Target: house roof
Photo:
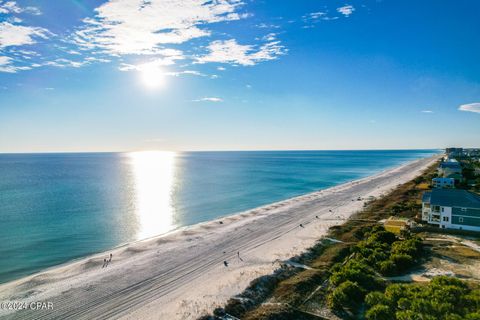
(444, 179)
(452, 198)
(452, 165)
(455, 176)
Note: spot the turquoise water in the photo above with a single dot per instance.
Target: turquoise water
(57, 207)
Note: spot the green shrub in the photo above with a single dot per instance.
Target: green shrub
(387, 268)
(376, 297)
(444, 298)
(411, 246)
(383, 237)
(394, 292)
(359, 272)
(379, 312)
(402, 261)
(347, 295)
(473, 299)
(473, 316)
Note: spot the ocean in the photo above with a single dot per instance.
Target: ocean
(58, 207)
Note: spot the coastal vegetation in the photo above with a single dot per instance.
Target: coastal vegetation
(356, 275)
(443, 298)
(381, 253)
(471, 174)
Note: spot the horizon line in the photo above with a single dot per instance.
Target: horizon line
(224, 150)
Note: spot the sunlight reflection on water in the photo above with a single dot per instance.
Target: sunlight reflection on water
(153, 173)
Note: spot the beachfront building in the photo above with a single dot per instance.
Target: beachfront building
(440, 183)
(448, 168)
(454, 152)
(452, 209)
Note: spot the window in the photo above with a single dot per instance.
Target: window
(464, 209)
(460, 219)
(443, 209)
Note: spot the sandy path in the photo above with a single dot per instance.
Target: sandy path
(181, 275)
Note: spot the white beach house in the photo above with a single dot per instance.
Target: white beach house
(452, 209)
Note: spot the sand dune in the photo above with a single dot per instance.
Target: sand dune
(180, 275)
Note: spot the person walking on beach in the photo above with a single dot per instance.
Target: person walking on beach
(104, 263)
(111, 255)
(238, 255)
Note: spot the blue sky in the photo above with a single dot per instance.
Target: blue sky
(236, 74)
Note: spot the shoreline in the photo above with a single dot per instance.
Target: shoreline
(170, 273)
(182, 228)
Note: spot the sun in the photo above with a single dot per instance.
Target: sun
(152, 77)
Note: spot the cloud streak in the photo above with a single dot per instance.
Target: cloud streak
(346, 10)
(229, 51)
(208, 99)
(470, 107)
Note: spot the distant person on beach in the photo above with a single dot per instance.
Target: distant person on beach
(111, 255)
(225, 263)
(104, 263)
(238, 255)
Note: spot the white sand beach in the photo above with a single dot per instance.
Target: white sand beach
(181, 275)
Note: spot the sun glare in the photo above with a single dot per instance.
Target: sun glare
(153, 173)
(152, 77)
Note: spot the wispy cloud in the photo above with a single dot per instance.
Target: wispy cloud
(229, 51)
(14, 35)
(63, 63)
(167, 58)
(144, 27)
(470, 107)
(7, 7)
(346, 10)
(208, 99)
(136, 34)
(318, 16)
(6, 64)
(426, 111)
(18, 35)
(312, 18)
